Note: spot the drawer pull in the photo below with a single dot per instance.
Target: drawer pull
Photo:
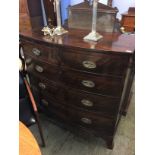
(41, 85)
(36, 51)
(28, 61)
(44, 102)
(86, 120)
(88, 83)
(87, 103)
(39, 68)
(89, 64)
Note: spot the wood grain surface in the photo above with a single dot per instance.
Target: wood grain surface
(27, 143)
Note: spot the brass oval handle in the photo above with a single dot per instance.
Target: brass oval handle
(86, 120)
(44, 102)
(28, 61)
(42, 85)
(87, 103)
(36, 51)
(89, 64)
(88, 83)
(39, 68)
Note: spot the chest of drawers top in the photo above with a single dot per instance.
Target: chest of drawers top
(112, 42)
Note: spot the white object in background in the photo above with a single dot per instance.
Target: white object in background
(59, 30)
(104, 2)
(44, 14)
(93, 35)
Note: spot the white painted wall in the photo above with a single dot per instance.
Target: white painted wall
(123, 6)
(103, 1)
(73, 2)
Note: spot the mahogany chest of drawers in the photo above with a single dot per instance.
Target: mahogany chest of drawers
(80, 85)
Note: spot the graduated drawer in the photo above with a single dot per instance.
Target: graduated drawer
(94, 62)
(45, 87)
(40, 52)
(83, 118)
(104, 85)
(100, 104)
(42, 69)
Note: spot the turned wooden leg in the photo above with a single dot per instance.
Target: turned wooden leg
(110, 144)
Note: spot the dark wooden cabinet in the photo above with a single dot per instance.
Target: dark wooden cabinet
(30, 15)
(81, 85)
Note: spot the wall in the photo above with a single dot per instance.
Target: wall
(73, 2)
(64, 11)
(123, 6)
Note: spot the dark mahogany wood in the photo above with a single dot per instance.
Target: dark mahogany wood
(74, 115)
(112, 43)
(50, 12)
(78, 97)
(106, 85)
(43, 53)
(104, 63)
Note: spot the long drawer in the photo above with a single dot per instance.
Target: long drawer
(74, 98)
(94, 62)
(105, 85)
(83, 118)
(43, 53)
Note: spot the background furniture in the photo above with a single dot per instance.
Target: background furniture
(30, 15)
(80, 17)
(128, 20)
(27, 142)
(81, 85)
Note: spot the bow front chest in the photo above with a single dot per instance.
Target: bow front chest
(82, 86)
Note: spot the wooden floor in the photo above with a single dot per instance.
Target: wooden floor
(62, 142)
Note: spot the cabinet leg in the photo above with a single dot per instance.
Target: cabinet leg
(110, 144)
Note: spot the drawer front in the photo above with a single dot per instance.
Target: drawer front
(101, 104)
(42, 69)
(75, 116)
(44, 87)
(104, 85)
(44, 53)
(94, 62)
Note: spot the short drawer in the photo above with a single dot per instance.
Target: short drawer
(83, 118)
(44, 87)
(42, 69)
(40, 52)
(94, 62)
(105, 85)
